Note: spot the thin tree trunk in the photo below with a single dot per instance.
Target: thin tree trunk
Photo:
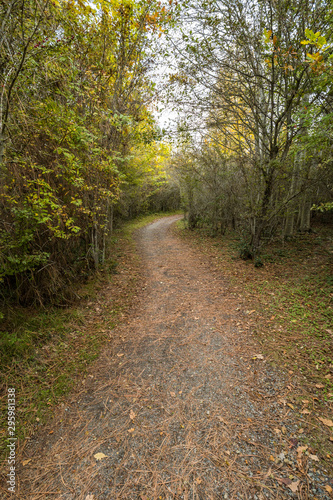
(289, 225)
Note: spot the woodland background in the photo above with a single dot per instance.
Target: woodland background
(80, 148)
(248, 90)
(260, 73)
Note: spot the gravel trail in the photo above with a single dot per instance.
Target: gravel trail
(183, 405)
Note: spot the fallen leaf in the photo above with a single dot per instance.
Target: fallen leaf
(132, 415)
(306, 412)
(99, 456)
(25, 462)
(305, 401)
(258, 356)
(268, 473)
(285, 481)
(290, 406)
(90, 497)
(283, 430)
(328, 488)
(198, 480)
(250, 312)
(120, 354)
(320, 386)
(51, 432)
(314, 457)
(326, 421)
(331, 439)
(301, 450)
(272, 459)
(300, 431)
(294, 486)
(131, 430)
(173, 394)
(277, 431)
(328, 376)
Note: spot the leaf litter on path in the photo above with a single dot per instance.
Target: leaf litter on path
(206, 423)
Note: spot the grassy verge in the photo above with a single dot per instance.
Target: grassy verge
(45, 354)
(290, 300)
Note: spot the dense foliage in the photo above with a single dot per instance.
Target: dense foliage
(79, 147)
(255, 82)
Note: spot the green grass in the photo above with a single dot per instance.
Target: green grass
(143, 220)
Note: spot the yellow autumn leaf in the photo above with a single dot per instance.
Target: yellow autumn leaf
(99, 456)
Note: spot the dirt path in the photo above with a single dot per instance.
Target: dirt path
(179, 405)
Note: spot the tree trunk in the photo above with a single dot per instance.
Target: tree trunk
(259, 222)
(94, 245)
(305, 213)
(289, 225)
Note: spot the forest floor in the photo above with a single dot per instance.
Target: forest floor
(184, 402)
